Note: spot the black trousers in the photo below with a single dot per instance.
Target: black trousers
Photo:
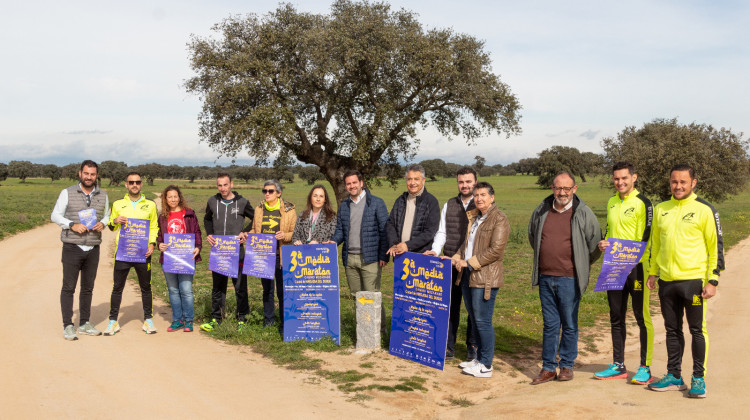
(618, 306)
(143, 271)
(268, 305)
(219, 295)
(75, 261)
(455, 315)
(678, 297)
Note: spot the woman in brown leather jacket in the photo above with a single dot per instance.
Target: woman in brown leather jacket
(482, 254)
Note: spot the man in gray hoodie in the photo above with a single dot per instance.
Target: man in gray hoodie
(225, 215)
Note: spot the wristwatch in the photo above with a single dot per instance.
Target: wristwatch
(714, 282)
(71, 224)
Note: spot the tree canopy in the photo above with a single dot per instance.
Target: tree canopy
(719, 156)
(564, 158)
(346, 90)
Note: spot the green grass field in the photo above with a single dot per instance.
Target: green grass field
(517, 319)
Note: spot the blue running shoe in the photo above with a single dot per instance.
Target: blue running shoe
(668, 383)
(643, 376)
(614, 371)
(697, 388)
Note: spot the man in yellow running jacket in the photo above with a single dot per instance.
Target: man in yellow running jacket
(629, 216)
(687, 256)
(135, 206)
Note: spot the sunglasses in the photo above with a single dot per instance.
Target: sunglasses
(135, 182)
(268, 191)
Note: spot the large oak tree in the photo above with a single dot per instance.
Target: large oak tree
(719, 156)
(345, 90)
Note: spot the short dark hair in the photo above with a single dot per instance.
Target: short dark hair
(133, 173)
(683, 167)
(624, 165)
(351, 172)
(485, 185)
(224, 175)
(564, 173)
(90, 164)
(465, 171)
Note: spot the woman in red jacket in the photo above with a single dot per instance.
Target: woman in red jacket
(177, 217)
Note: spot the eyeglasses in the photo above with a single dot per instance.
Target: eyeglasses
(566, 189)
(135, 182)
(268, 191)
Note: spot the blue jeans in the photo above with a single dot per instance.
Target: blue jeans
(180, 296)
(482, 311)
(560, 298)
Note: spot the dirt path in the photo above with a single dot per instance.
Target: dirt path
(129, 375)
(180, 375)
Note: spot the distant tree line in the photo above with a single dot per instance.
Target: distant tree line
(115, 172)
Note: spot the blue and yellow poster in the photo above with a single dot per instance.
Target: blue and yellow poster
(311, 292)
(619, 259)
(421, 307)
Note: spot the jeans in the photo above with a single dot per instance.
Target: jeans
(482, 311)
(455, 314)
(560, 299)
(180, 296)
(74, 261)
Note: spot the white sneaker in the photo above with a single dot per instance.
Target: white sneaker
(479, 371)
(112, 327)
(468, 363)
(148, 326)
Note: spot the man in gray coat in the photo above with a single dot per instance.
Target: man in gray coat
(564, 234)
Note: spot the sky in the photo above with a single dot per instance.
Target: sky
(103, 80)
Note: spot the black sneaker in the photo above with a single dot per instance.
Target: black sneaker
(449, 354)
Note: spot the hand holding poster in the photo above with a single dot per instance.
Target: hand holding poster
(311, 292)
(88, 218)
(178, 258)
(260, 255)
(132, 244)
(225, 255)
(421, 302)
(619, 259)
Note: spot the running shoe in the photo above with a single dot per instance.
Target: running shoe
(668, 383)
(210, 326)
(148, 326)
(614, 371)
(69, 333)
(697, 388)
(176, 325)
(643, 376)
(188, 326)
(240, 326)
(112, 328)
(478, 371)
(468, 363)
(88, 329)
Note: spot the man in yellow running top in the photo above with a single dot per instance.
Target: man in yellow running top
(629, 216)
(687, 256)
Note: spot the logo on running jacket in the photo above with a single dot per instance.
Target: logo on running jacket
(688, 218)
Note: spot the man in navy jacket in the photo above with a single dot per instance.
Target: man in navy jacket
(361, 228)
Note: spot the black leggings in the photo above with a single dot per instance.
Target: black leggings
(678, 297)
(143, 270)
(618, 305)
